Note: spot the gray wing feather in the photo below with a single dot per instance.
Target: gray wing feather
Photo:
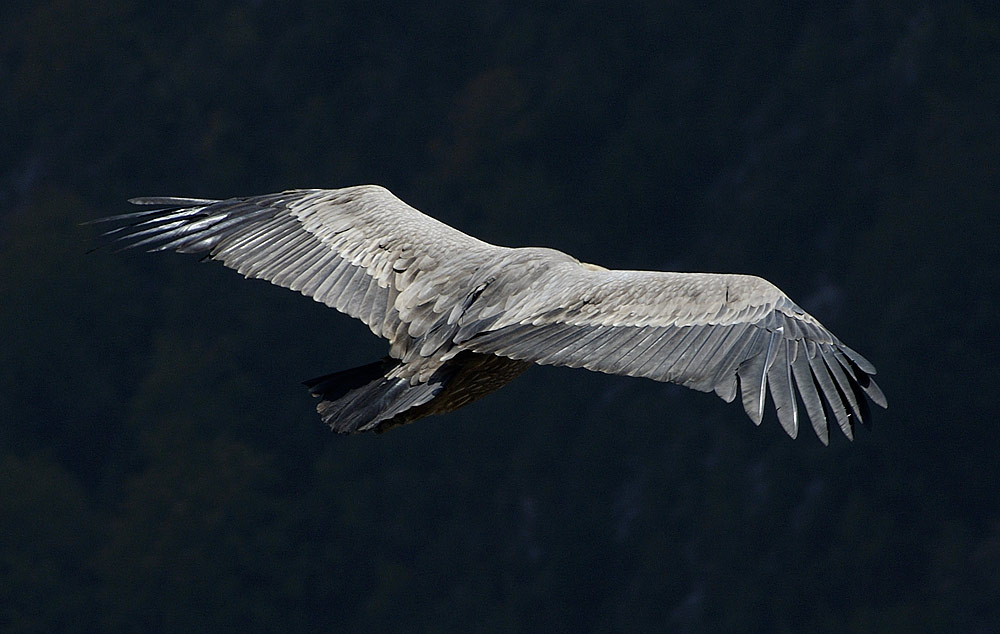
(806, 385)
(782, 391)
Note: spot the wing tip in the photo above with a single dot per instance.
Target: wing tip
(846, 387)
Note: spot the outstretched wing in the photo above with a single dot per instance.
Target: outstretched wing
(704, 331)
(357, 249)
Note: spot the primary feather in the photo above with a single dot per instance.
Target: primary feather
(464, 317)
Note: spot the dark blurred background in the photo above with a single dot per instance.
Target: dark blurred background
(162, 469)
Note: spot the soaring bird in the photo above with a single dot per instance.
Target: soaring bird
(464, 317)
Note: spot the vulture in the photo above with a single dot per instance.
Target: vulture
(464, 317)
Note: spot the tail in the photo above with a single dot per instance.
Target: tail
(375, 397)
(366, 398)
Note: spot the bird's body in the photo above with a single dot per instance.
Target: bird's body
(464, 317)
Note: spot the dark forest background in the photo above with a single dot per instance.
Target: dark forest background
(162, 469)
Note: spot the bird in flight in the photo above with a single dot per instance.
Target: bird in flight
(464, 317)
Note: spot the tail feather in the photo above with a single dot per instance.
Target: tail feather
(383, 395)
(362, 398)
(333, 386)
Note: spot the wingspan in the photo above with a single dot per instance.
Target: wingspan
(435, 292)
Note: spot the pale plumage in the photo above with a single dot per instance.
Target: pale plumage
(464, 317)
